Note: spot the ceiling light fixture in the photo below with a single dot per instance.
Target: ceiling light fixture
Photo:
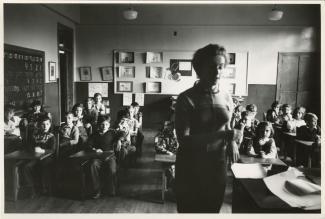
(275, 14)
(130, 14)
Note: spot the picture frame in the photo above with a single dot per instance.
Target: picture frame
(124, 86)
(154, 57)
(52, 71)
(231, 88)
(155, 72)
(153, 87)
(85, 73)
(232, 58)
(182, 66)
(125, 57)
(229, 72)
(126, 71)
(107, 73)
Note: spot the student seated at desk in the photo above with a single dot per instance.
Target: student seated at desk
(83, 126)
(90, 114)
(12, 138)
(166, 143)
(272, 115)
(41, 171)
(69, 136)
(236, 116)
(252, 110)
(263, 144)
(103, 140)
(296, 122)
(309, 132)
(138, 117)
(286, 114)
(125, 147)
(249, 131)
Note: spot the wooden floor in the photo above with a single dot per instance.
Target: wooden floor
(139, 193)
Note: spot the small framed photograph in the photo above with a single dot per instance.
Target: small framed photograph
(52, 71)
(154, 57)
(153, 87)
(124, 86)
(126, 57)
(85, 73)
(154, 72)
(232, 58)
(232, 88)
(126, 71)
(107, 73)
(229, 72)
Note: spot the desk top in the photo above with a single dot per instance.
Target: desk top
(165, 158)
(248, 159)
(306, 143)
(293, 134)
(84, 155)
(26, 155)
(266, 200)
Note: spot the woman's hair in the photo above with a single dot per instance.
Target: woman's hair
(89, 99)
(9, 108)
(251, 108)
(76, 106)
(262, 126)
(135, 104)
(97, 94)
(310, 116)
(285, 106)
(203, 55)
(104, 118)
(36, 103)
(68, 113)
(297, 109)
(45, 118)
(275, 104)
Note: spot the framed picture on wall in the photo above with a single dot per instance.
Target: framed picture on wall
(153, 87)
(126, 57)
(107, 73)
(229, 72)
(182, 66)
(155, 72)
(52, 71)
(124, 86)
(126, 71)
(232, 88)
(154, 57)
(232, 58)
(85, 73)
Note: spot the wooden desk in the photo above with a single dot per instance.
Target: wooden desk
(307, 144)
(288, 141)
(86, 155)
(166, 160)
(248, 159)
(12, 162)
(252, 196)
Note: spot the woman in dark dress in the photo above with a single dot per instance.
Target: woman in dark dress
(202, 119)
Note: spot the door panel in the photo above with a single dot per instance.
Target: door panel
(304, 99)
(307, 72)
(287, 73)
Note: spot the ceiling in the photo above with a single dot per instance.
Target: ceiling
(191, 14)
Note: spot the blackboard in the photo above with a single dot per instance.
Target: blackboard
(23, 76)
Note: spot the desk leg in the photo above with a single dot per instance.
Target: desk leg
(163, 188)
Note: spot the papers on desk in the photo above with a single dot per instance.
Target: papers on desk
(292, 187)
(250, 171)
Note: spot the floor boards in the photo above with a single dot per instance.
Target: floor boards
(139, 192)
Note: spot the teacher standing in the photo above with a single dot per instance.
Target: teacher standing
(202, 118)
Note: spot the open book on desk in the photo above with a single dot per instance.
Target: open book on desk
(295, 189)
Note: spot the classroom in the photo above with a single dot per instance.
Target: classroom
(162, 107)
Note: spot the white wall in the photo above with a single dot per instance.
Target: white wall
(95, 44)
(33, 26)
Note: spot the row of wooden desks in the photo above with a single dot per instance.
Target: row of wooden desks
(253, 196)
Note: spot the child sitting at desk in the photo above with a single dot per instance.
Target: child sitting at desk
(272, 115)
(263, 144)
(286, 114)
(252, 110)
(42, 140)
(236, 116)
(296, 122)
(12, 138)
(69, 136)
(84, 127)
(249, 131)
(103, 140)
(166, 143)
(309, 132)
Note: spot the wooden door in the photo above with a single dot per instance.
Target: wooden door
(288, 67)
